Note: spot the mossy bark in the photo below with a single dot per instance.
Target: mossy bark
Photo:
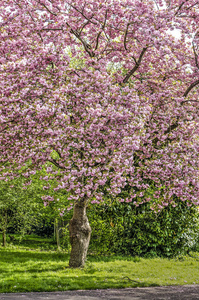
(80, 232)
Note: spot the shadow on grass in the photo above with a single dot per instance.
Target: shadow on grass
(35, 244)
(40, 282)
(19, 256)
(25, 255)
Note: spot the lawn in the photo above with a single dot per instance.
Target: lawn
(24, 269)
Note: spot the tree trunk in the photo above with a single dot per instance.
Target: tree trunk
(4, 238)
(80, 232)
(57, 233)
(4, 228)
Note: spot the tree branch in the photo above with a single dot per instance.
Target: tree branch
(172, 127)
(47, 8)
(131, 72)
(190, 101)
(9, 20)
(87, 22)
(81, 13)
(87, 47)
(190, 88)
(181, 5)
(195, 54)
(97, 40)
(125, 36)
(53, 161)
(192, 5)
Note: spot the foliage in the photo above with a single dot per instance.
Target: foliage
(16, 209)
(23, 206)
(129, 230)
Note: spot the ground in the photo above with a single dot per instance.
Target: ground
(188, 292)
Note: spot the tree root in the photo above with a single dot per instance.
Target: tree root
(126, 277)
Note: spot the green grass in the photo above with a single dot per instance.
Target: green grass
(23, 270)
(31, 242)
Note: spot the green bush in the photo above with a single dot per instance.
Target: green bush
(123, 228)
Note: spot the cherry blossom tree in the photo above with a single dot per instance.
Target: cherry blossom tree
(105, 93)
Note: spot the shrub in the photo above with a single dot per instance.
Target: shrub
(123, 228)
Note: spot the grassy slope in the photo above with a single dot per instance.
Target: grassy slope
(23, 270)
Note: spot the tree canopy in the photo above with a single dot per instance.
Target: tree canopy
(106, 93)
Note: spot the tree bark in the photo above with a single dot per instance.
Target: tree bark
(80, 232)
(4, 238)
(4, 228)
(56, 227)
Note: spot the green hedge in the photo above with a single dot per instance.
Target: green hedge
(123, 228)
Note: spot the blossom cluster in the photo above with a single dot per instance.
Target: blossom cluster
(105, 93)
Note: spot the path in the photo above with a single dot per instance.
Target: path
(186, 292)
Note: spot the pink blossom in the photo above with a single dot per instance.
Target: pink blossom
(68, 106)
